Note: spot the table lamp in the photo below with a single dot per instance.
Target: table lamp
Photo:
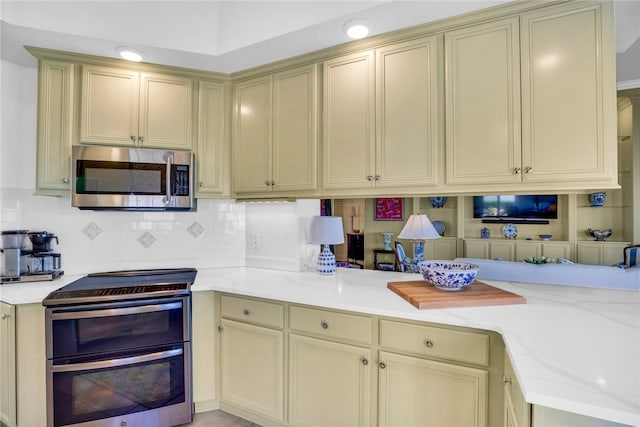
(417, 229)
(325, 231)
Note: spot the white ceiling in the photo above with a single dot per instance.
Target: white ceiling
(225, 36)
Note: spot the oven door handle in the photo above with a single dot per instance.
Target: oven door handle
(115, 311)
(117, 362)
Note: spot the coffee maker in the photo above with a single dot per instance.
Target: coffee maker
(22, 264)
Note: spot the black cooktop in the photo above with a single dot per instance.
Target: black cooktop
(124, 285)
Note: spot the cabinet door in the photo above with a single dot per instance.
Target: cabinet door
(295, 141)
(483, 142)
(7, 365)
(441, 394)
(252, 366)
(517, 412)
(556, 250)
(166, 112)
(110, 105)
(528, 250)
(476, 248)
(329, 383)
(568, 93)
(407, 118)
(443, 248)
(349, 122)
(252, 136)
(55, 126)
(212, 159)
(502, 249)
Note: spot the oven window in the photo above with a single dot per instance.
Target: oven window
(108, 330)
(99, 177)
(85, 394)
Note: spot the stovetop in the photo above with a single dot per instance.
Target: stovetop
(124, 285)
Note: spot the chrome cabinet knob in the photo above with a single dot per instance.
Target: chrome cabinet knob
(324, 325)
(5, 316)
(528, 169)
(220, 329)
(365, 362)
(246, 312)
(382, 365)
(201, 184)
(369, 177)
(377, 177)
(428, 343)
(133, 138)
(141, 139)
(273, 183)
(506, 379)
(516, 170)
(65, 180)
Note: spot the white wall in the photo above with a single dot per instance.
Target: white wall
(214, 236)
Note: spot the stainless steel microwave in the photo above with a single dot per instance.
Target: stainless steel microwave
(120, 178)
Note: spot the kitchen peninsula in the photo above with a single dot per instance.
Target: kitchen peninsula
(573, 349)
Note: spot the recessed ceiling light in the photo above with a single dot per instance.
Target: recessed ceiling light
(357, 29)
(130, 53)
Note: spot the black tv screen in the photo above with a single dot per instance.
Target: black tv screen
(516, 206)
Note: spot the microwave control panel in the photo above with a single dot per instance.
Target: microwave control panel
(179, 180)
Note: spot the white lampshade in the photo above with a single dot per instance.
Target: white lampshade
(326, 230)
(418, 227)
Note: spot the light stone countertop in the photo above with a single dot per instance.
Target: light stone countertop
(575, 349)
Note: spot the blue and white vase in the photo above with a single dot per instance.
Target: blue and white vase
(326, 261)
(597, 199)
(438, 202)
(485, 233)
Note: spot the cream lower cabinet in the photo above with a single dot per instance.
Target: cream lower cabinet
(55, 126)
(132, 108)
(443, 248)
(425, 393)
(600, 253)
(329, 383)
(503, 249)
(7, 365)
(275, 132)
(252, 356)
(517, 412)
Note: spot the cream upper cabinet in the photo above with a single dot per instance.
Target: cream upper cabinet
(329, 383)
(131, 108)
(55, 126)
(482, 83)
(381, 112)
(531, 99)
(569, 94)
(213, 153)
(275, 145)
(7, 365)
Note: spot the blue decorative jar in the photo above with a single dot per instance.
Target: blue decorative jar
(485, 233)
(438, 202)
(597, 199)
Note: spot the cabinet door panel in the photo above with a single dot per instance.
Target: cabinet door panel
(564, 61)
(418, 392)
(328, 383)
(504, 250)
(165, 119)
(55, 125)
(252, 138)
(110, 99)
(556, 250)
(295, 146)
(7, 365)
(407, 113)
(256, 383)
(476, 248)
(483, 143)
(528, 250)
(349, 122)
(213, 148)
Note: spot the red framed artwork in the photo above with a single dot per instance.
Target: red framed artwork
(389, 209)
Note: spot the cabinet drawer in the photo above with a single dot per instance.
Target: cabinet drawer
(329, 324)
(468, 347)
(248, 310)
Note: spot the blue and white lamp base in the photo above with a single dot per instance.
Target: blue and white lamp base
(326, 261)
(418, 250)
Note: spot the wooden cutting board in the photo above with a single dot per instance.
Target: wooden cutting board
(423, 294)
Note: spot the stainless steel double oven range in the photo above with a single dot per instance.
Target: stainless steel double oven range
(119, 350)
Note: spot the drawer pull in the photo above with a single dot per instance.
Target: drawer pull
(382, 365)
(506, 379)
(246, 312)
(365, 362)
(428, 343)
(324, 325)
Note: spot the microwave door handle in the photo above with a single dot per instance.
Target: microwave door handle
(112, 363)
(115, 311)
(167, 198)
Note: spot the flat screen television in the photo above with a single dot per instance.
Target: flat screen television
(516, 206)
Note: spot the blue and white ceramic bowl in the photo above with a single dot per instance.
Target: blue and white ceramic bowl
(448, 275)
